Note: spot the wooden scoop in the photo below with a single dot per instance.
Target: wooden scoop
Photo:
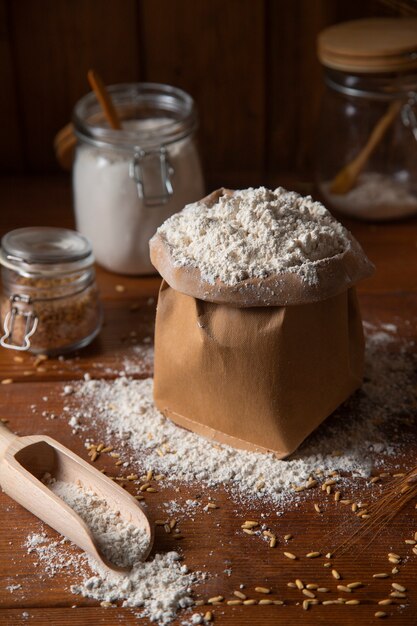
(346, 178)
(25, 460)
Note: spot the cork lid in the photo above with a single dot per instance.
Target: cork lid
(374, 45)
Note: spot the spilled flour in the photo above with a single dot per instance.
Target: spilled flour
(367, 429)
(254, 233)
(159, 586)
(124, 409)
(121, 542)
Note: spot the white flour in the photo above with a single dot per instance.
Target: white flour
(139, 360)
(375, 196)
(352, 440)
(160, 586)
(124, 409)
(121, 542)
(54, 555)
(253, 234)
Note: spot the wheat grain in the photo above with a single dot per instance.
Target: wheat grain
(352, 602)
(215, 599)
(240, 595)
(344, 588)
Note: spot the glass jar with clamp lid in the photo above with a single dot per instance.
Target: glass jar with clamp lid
(50, 301)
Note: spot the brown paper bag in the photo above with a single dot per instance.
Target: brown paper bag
(261, 363)
(258, 377)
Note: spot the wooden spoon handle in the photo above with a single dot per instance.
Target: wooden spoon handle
(65, 140)
(379, 131)
(104, 99)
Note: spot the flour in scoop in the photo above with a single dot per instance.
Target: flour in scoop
(158, 586)
(121, 542)
(254, 233)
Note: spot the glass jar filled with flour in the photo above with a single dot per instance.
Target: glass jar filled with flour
(127, 182)
(367, 149)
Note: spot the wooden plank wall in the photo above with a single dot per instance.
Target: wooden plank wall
(250, 65)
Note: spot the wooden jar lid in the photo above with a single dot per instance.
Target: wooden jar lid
(370, 45)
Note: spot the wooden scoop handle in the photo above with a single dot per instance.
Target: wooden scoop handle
(6, 438)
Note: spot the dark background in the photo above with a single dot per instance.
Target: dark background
(250, 64)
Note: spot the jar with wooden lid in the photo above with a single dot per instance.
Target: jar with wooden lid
(50, 301)
(366, 163)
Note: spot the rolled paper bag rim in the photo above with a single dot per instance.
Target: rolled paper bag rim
(335, 275)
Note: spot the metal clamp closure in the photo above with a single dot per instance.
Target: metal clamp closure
(409, 115)
(20, 306)
(152, 173)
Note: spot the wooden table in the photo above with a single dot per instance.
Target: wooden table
(211, 542)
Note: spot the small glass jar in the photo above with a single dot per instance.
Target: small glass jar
(50, 301)
(368, 76)
(127, 182)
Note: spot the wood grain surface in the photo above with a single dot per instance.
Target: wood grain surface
(52, 41)
(212, 540)
(251, 66)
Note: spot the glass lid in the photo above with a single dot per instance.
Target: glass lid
(46, 250)
(152, 114)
